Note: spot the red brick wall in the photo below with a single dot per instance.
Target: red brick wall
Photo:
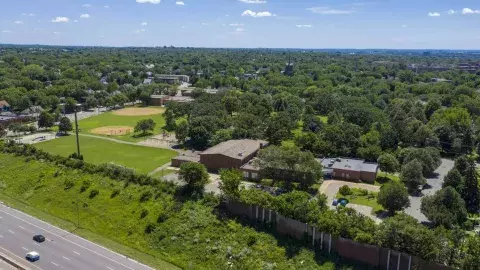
(214, 162)
(368, 177)
(352, 175)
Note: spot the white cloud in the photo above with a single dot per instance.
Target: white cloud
(236, 24)
(141, 31)
(85, 16)
(87, 5)
(204, 23)
(6, 31)
(434, 14)
(18, 22)
(329, 11)
(144, 24)
(180, 3)
(28, 14)
(253, 1)
(304, 25)
(149, 1)
(451, 12)
(257, 14)
(240, 29)
(75, 21)
(106, 6)
(61, 20)
(467, 11)
(56, 33)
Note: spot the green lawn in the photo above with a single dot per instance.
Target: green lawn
(110, 119)
(363, 198)
(97, 151)
(383, 178)
(162, 173)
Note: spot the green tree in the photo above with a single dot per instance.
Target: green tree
(91, 102)
(70, 105)
(461, 164)
(454, 179)
(45, 120)
(145, 125)
(181, 132)
(471, 193)
(388, 163)
(471, 260)
(65, 125)
(195, 175)
(445, 208)
(169, 119)
(278, 129)
(393, 196)
(230, 181)
(411, 175)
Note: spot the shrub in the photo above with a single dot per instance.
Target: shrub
(162, 218)
(313, 189)
(93, 193)
(85, 185)
(267, 182)
(69, 183)
(251, 240)
(363, 192)
(345, 190)
(115, 192)
(146, 195)
(149, 228)
(144, 213)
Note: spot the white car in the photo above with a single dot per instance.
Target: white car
(33, 256)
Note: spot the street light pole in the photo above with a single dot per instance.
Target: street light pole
(76, 132)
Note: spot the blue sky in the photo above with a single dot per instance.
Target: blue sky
(402, 24)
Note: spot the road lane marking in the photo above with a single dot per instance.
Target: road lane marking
(66, 258)
(21, 227)
(24, 248)
(10, 231)
(54, 264)
(76, 253)
(110, 268)
(22, 259)
(67, 240)
(36, 244)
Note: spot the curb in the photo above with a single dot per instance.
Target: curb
(13, 262)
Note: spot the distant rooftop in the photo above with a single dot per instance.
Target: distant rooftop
(237, 149)
(349, 164)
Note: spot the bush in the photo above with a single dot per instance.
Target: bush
(313, 189)
(149, 228)
(115, 192)
(267, 182)
(85, 185)
(363, 192)
(251, 240)
(69, 183)
(146, 196)
(345, 190)
(93, 193)
(144, 213)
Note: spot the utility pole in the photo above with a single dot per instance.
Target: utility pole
(76, 132)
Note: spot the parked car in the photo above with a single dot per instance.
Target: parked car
(335, 202)
(39, 238)
(33, 256)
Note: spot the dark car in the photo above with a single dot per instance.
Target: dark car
(39, 238)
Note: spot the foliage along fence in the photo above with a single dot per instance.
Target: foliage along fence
(381, 258)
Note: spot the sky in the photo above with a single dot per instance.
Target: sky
(390, 24)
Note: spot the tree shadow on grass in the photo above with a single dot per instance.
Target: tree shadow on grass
(142, 135)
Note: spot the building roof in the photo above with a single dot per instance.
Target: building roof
(147, 81)
(158, 96)
(187, 158)
(349, 164)
(237, 149)
(4, 103)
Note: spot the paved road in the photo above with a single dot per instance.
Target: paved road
(61, 250)
(435, 185)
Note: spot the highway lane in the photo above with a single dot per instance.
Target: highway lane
(61, 249)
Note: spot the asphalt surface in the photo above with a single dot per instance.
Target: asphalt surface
(435, 184)
(61, 249)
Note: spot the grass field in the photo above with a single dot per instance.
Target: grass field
(362, 198)
(110, 119)
(97, 151)
(188, 234)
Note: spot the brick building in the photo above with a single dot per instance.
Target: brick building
(226, 155)
(350, 169)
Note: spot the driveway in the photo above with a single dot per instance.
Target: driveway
(435, 184)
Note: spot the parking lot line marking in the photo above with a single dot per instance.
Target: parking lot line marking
(21, 227)
(76, 253)
(10, 231)
(66, 258)
(54, 264)
(24, 248)
(110, 268)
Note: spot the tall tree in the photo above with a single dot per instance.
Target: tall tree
(388, 163)
(411, 174)
(65, 125)
(145, 125)
(195, 175)
(471, 193)
(181, 132)
(454, 179)
(230, 182)
(45, 120)
(393, 196)
(445, 208)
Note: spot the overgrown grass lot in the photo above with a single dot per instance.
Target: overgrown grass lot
(97, 151)
(110, 119)
(147, 222)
